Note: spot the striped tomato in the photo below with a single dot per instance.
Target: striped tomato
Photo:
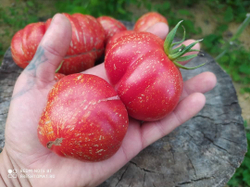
(111, 26)
(148, 20)
(87, 43)
(84, 118)
(144, 71)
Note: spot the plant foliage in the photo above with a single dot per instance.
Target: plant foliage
(242, 174)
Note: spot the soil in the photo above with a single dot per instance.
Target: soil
(207, 23)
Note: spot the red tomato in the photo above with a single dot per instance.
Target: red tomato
(83, 119)
(145, 73)
(25, 42)
(148, 20)
(114, 39)
(58, 76)
(87, 43)
(147, 82)
(111, 26)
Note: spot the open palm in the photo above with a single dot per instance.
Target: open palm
(23, 149)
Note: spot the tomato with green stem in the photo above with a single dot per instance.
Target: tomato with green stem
(144, 71)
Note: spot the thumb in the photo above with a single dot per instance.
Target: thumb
(51, 49)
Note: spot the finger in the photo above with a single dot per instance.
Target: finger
(51, 49)
(185, 110)
(159, 29)
(202, 83)
(98, 71)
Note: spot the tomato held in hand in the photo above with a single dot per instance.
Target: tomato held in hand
(112, 41)
(148, 20)
(25, 42)
(84, 118)
(145, 75)
(58, 76)
(111, 26)
(86, 46)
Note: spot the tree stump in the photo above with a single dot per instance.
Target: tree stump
(203, 152)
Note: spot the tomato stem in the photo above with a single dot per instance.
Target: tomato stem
(57, 142)
(177, 54)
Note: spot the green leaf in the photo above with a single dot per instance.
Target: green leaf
(79, 9)
(211, 40)
(190, 27)
(224, 59)
(176, 54)
(183, 51)
(185, 58)
(170, 37)
(235, 76)
(222, 28)
(187, 68)
(245, 68)
(177, 49)
(149, 6)
(246, 162)
(234, 182)
(248, 138)
(166, 5)
(246, 177)
(244, 90)
(185, 12)
(228, 15)
(30, 3)
(121, 10)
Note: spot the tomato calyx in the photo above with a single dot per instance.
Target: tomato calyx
(175, 54)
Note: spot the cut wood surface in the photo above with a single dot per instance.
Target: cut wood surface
(203, 152)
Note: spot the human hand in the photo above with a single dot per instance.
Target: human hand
(23, 149)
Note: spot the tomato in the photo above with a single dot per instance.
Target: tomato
(25, 42)
(148, 20)
(58, 76)
(83, 119)
(145, 73)
(87, 43)
(111, 26)
(114, 39)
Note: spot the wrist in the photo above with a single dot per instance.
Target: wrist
(9, 172)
